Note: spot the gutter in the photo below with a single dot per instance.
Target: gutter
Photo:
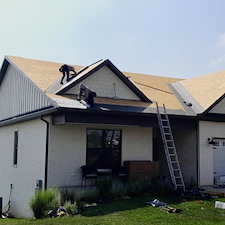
(27, 116)
(46, 152)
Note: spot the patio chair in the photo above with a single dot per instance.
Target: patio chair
(88, 172)
(120, 172)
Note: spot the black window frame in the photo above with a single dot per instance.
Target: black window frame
(108, 155)
(15, 150)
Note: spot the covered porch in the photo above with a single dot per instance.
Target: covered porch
(103, 142)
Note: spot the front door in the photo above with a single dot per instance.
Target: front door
(219, 157)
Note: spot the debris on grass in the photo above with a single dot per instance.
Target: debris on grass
(219, 205)
(170, 209)
(156, 203)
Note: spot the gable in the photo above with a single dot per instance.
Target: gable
(218, 107)
(107, 76)
(106, 84)
(19, 95)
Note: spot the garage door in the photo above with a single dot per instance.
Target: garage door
(219, 157)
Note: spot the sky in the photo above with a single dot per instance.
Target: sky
(173, 38)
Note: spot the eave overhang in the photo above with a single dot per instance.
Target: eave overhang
(119, 118)
(28, 116)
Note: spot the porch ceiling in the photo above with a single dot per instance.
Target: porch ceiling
(119, 119)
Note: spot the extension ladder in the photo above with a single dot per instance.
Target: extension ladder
(170, 150)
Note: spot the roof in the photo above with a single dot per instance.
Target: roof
(200, 87)
(44, 74)
(156, 88)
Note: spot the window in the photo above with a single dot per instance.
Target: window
(15, 153)
(103, 148)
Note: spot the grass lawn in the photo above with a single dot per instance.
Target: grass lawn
(135, 211)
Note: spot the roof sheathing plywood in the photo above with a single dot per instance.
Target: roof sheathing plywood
(156, 88)
(206, 89)
(42, 73)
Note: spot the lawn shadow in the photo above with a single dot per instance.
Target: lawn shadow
(127, 204)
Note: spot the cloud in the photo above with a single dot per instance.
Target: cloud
(218, 61)
(221, 41)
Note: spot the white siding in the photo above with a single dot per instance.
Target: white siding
(208, 130)
(137, 144)
(102, 83)
(18, 95)
(67, 150)
(186, 145)
(67, 153)
(30, 166)
(219, 108)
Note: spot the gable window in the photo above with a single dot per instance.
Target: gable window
(103, 148)
(15, 152)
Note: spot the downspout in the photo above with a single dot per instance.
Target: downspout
(46, 152)
(198, 155)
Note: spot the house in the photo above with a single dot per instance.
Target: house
(46, 134)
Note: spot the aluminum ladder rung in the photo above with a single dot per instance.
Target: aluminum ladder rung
(170, 151)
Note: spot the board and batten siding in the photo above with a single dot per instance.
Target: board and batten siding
(106, 84)
(19, 95)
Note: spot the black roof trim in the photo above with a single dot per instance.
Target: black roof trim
(3, 69)
(213, 105)
(119, 74)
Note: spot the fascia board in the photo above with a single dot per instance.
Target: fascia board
(213, 105)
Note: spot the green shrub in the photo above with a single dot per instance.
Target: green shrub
(136, 188)
(68, 196)
(70, 208)
(192, 184)
(42, 201)
(104, 187)
(91, 195)
(118, 190)
(146, 184)
(133, 188)
(161, 186)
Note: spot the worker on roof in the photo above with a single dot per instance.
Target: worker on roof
(65, 69)
(87, 94)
